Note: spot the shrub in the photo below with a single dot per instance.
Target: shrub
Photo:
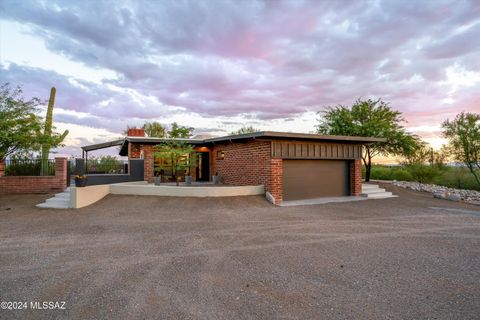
(423, 173)
(389, 173)
(459, 178)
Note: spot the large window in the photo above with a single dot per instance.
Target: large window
(163, 167)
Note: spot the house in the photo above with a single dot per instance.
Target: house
(291, 166)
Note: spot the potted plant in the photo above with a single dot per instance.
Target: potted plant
(216, 178)
(158, 179)
(80, 181)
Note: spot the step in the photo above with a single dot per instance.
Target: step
(369, 186)
(57, 199)
(378, 195)
(63, 195)
(371, 191)
(53, 205)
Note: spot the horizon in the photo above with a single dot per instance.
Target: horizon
(270, 65)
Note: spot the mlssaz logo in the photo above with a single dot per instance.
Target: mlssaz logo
(47, 305)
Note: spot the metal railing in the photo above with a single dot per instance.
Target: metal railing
(30, 167)
(106, 167)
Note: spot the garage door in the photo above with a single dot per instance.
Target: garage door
(306, 179)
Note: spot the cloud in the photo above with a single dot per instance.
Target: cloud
(251, 60)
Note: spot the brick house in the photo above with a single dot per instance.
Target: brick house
(291, 166)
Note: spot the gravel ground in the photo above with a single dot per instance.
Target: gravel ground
(129, 257)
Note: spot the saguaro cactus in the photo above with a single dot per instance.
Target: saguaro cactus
(50, 139)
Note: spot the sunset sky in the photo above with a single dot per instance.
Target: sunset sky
(221, 65)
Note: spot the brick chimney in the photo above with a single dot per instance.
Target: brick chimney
(134, 132)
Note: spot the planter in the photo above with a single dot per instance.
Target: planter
(80, 183)
(157, 180)
(216, 179)
(188, 180)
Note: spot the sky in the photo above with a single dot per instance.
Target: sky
(220, 65)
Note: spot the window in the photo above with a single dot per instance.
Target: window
(220, 155)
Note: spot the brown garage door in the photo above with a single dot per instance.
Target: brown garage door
(306, 179)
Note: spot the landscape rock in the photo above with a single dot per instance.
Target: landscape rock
(441, 192)
(454, 197)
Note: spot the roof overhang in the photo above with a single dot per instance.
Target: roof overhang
(296, 136)
(239, 137)
(103, 145)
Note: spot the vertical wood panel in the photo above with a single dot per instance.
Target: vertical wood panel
(304, 150)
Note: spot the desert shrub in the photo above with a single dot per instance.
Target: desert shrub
(452, 177)
(459, 178)
(389, 173)
(423, 173)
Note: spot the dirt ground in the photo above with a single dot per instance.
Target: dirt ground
(132, 257)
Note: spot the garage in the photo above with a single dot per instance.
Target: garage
(307, 179)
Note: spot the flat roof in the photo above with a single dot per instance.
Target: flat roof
(292, 135)
(103, 145)
(255, 135)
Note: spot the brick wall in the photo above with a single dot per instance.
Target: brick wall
(248, 163)
(37, 184)
(148, 170)
(134, 151)
(276, 180)
(356, 177)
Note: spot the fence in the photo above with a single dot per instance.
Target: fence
(29, 167)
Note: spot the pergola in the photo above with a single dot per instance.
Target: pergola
(104, 145)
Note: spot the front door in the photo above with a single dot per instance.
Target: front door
(203, 168)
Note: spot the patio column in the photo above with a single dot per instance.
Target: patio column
(148, 170)
(356, 177)
(275, 185)
(61, 171)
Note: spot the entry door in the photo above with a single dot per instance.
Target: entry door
(203, 168)
(307, 179)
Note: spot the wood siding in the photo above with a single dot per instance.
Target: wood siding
(309, 150)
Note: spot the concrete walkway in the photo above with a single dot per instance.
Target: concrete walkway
(306, 202)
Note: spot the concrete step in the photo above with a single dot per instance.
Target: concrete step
(369, 186)
(371, 191)
(63, 195)
(58, 201)
(380, 195)
(53, 205)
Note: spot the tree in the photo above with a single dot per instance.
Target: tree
(245, 130)
(369, 118)
(49, 138)
(463, 134)
(179, 156)
(423, 154)
(19, 123)
(154, 129)
(180, 131)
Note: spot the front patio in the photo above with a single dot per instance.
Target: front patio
(85, 196)
(196, 189)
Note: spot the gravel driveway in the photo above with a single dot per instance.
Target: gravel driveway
(130, 257)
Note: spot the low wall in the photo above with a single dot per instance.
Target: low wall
(82, 197)
(135, 169)
(36, 184)
(183, 191)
